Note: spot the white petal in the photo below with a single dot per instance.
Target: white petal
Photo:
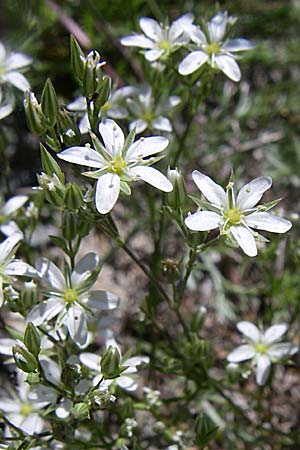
(217, 27)
(30, 424)
(162, 123)
(13, 204)
(90, 360)
(127, 383)
(6, 346)
(228, 65)
(16, 61)
(139, 125)
(151, 29)
(203, 221)
(5, 110)
(249, 330)
(112, 136)
(107, 192)
(102, 300)
(268, 222)
(263, 369)
(64, 409)
(17, 267)
(18, 80)
(82, 155)
(274, 333)
(198, 36)
(245, 239)
(49, 272)
(77, 326)
(136, 361)
(83, 269)
(51, 369)
(212, 191)
(84, 124)
(153, 177)
(79, 104)
(238, 45)
(282, 350)
(192, 62)
(8, 247)
(250, 194)
(145, 147)
(153, 55)
(137, 40)
(45, 311)
(9, 406)
(2, 53)
(241, 353)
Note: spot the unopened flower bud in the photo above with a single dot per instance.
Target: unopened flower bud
(73, 197)
(110, 363)
(32, 339)
(25, 360)
(104, 88)
(49, 103)
(29, 294)
(205, 430)
(69, 131)
(36, 120)
(77, 60)
(81, 411)
(50, 166)
(92, 75)
(69, 225)
(177, 198)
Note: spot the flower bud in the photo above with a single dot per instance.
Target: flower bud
(92, 76)
(110, 363)
(81, 411)
(104, 93)
(198, 319)
(25, 360)
(177, 198)
(50, 166)
(205, 430)
(53, 188)
(77, 60)
(32, 339)
(73, 197)
(69, 225)
(49, 103)
(29, 294)
(69, 131)
(36, 120)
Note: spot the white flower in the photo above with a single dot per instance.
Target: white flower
(9, 266)
(262, 347)
(6, 106)
(160, 41)
(23, 411)
(9, 66)
(119, 162)
(147, 114)
(125, 381)
(215, 49)
(114, 107)
(70, 298)
(236, 216)
(7, 212)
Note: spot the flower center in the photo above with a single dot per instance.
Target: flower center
(213, 48)
(261, 348)
(105, 107)
(233, 216)
(148, 116)
(164, 45)
(70, 295)
(117, 165)
(26, 409)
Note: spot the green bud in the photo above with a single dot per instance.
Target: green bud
(84, 225)
(50, 166)
(29, 294)
(36, 120)
(127, 409)
(104, 93)
(92, 76)
(69, 131)
(110, 363)
(32, 339)
(25, 360)
(53, 188)
(205, 430)
(69, 225)
(170, 269)
(198, 319)
(178, 197)
(33, 378)
(77, 60)
(73, 196)
(100, 399)
(49, 103)
(81, 411)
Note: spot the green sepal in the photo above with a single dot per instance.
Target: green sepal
(50, 166)
(49, 103)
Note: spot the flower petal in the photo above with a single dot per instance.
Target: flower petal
(249, 330)
(79, 104)
(151, 28)
(77, 326)
(217, 27)
(153, 55)
(13, 204)
(16, 61)
(162, 123)
(5, 110)
(112, 136)
(45, 311)
(8, 247)
(153, 177)
(127, 383)
(145, 147)
(274, 333)
(238, 45)
(21, 268)
(103, 300)
(18, 80)
(91, 360)
(192, 62)
(82, 155)
(268, 222)
(49, 272)
(107, 192)
(228, 66)
(203, 221)
(262, 369)
(250, 194)
(282, 350)
(212, 191)
(137, 40)
(241, 353)
(83, 269)
(245, 239)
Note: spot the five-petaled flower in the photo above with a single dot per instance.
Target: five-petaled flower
(70, 298)
(118, 163)
(215, 49)
(236, 217)
(10, 64)
(160, 41)
(262, 347)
